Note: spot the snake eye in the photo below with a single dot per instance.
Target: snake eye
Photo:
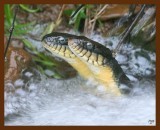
(89, 46)
(60, 40)
(49, 39)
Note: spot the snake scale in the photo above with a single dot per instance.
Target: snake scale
(91, 59)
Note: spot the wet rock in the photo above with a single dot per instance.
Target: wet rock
(147, 18)
(143, 34)
(116, 11)
(146, 37)
(17, 43)
(17, 60)
(149, 32)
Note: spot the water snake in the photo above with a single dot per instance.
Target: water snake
(91, 59)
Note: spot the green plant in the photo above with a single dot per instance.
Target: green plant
(85, 16)
(28, 9)
(76, 19)
(43, 62)
(20, 29)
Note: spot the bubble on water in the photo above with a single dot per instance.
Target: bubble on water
(19, 82)
(28, 74)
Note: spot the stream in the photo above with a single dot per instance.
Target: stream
(78, 102)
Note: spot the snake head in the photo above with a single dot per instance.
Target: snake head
(90, 51)
(58, 45)
(94, 54)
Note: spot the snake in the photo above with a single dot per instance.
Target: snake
(90, 58)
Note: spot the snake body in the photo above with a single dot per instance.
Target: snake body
(89, 58)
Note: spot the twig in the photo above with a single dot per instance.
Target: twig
(94, 22)
(99, 13)
(86, 25)
(60, 14)
(55, 24)
(11, 31)
(91, 22)
(128, 31)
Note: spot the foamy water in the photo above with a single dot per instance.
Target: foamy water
(79, 102)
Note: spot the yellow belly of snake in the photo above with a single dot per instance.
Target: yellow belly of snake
(65, 53)
(89, 58)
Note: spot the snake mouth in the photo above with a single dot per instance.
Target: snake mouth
(58, 45)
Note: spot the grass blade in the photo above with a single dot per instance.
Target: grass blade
(24, 7)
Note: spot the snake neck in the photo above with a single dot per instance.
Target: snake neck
(105, 76)
(81, 68)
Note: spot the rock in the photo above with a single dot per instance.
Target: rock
(17, 60)
(17, 44)
(116, 11)
(143, 34)
(125, 17)
(147, 18)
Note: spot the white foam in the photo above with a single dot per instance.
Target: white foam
(77, 102)
(18, 82)
(71, 103)
(28, 74)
